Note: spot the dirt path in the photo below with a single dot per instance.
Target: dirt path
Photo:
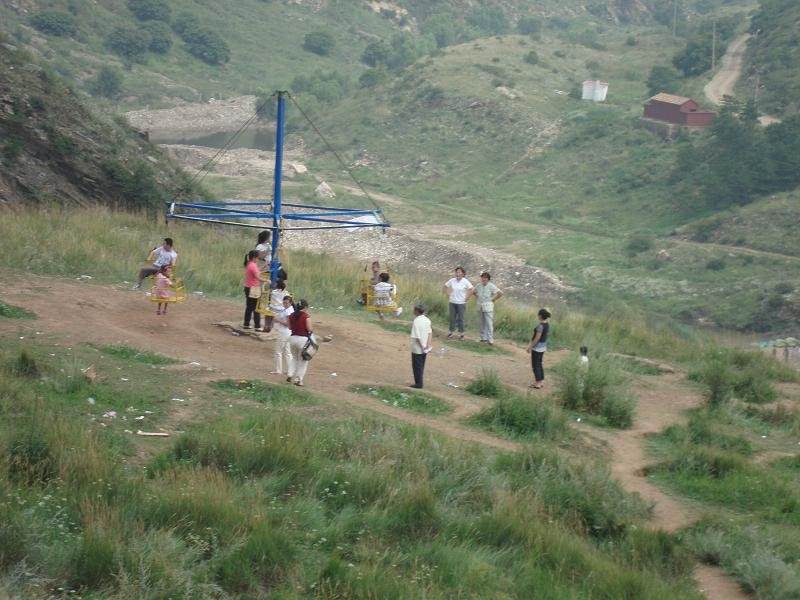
(724, 81)
(360, 353)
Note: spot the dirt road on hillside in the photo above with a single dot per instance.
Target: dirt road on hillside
(724, 81)
(359, 353)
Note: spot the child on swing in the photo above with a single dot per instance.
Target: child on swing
(162, 288)
(383, 292)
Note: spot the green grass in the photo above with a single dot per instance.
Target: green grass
(8, 311)
(292, 505)
(598, 389)
(755, 506)
(132, 354)
(265, 393)
(523, 418)
(414, 401)
(487, 383)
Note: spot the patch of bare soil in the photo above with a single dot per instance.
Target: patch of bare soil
(196, 119)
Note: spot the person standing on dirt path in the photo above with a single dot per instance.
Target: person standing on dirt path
(252, 290)
(486, 294)
(301, 330)
(160, 256)
(421, 343)
(283, 352)
(538, 347)
(457, 289)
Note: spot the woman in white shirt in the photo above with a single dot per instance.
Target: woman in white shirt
(282, 349)
(457, 290)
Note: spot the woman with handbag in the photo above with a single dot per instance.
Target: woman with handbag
(301, 342)
(252, 289)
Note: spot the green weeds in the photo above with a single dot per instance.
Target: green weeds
(524, 418)
(8, 311)
(597, 389)
(132, 354)
(412, 400)
(266, 393)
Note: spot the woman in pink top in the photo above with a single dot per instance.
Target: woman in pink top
(252, 289)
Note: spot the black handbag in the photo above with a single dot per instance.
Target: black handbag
(310, 349)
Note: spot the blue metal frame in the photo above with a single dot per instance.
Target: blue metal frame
(325, 216)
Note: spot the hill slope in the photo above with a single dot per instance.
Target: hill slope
(773, 56)
(54, 150)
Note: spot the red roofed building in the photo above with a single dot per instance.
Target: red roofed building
(677, 110)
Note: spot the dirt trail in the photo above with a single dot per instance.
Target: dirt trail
(724, 81)
(360, 353)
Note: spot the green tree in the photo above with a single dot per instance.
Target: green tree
(444, 29)
(54, 22)
(376, 53)
(695, 58)
(319, 42)
(663, 79)
(372, 77)
(150, 10)
(160, 36)
(529, 25)
(107, 82)
(207, 45)
(129, 44)
(783, 141)
(184, 23)
(490, 20)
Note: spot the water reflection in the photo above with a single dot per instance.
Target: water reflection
(258, 139)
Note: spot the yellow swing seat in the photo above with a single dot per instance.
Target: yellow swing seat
(381, 301)
(174, 293)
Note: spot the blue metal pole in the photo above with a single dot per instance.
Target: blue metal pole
(275, 265)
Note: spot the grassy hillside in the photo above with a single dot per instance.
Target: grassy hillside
(54, 150)
(773, 56)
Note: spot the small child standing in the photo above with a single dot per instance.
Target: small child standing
(276, 297)
(161, 288)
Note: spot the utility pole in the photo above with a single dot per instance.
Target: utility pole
(675, 18)
(714, 45)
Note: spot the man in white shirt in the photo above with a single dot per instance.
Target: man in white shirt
(160, 256)
(421, 341)
(457, 290)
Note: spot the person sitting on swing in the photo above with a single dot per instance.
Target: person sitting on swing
(382, 295)
(161, 256)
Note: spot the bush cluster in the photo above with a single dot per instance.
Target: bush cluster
(53, 22)
(744, 375)
(596, 389)
(202, 42)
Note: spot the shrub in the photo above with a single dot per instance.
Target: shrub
(487, 384)
(29, 459)
(639, 242)
(160, 36)
(597, 389)
(524, 417)
(715, 264)
(376, 53)
(184, 23)
(25, 365)
(57, 23)
(529, 25)
(107, 82)
(631, 41)
(319, 42)
(207, 45)
(702, 461)
(150, 10)
(372, 77)
(718, 379)
(489, 20)
(532, 58)
(129, 44)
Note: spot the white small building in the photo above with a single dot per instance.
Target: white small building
(595, 90)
